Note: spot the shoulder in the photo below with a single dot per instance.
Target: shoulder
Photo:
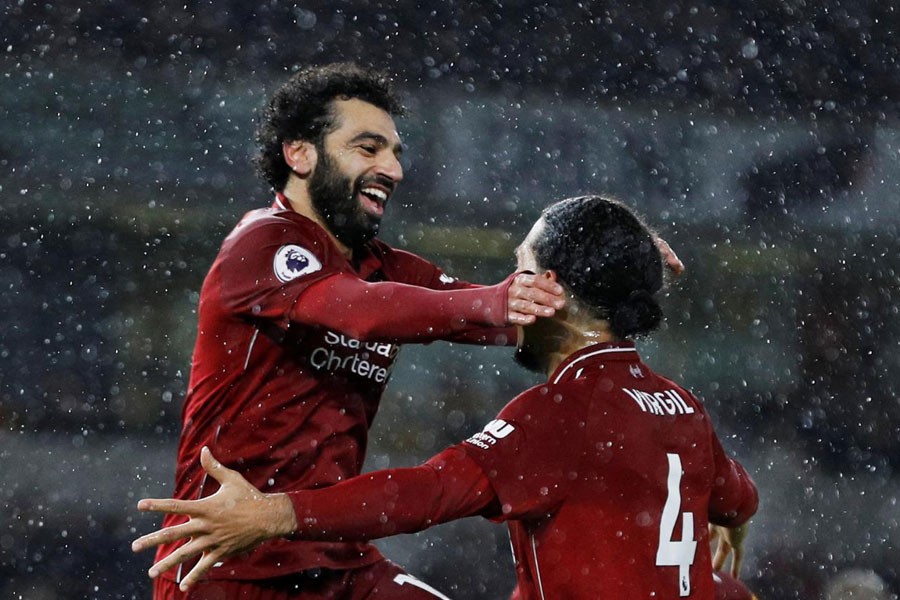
(266, 230)
(279, 243)
(270, 222)
(401, 265)
(394, 257)
(549, 402)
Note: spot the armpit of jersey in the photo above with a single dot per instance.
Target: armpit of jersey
(292, 261)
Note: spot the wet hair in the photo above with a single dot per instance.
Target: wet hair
(608, 259)
(303, 109)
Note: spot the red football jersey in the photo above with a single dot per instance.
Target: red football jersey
(607, 476)
(729, 588)
(280, 398)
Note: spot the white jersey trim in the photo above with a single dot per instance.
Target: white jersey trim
(589, 355)
(250, 349)
(537, 568)
(404, 578)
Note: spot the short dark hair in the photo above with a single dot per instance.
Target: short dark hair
(302, 109)
(608, 258)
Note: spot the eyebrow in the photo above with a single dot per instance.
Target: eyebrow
(378, 139)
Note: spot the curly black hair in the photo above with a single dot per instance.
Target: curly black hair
(302, 109)
(608, 258)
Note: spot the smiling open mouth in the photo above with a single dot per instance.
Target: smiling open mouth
(373, 200)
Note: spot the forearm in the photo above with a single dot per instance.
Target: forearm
(396, 312)
(496, 336)
(392, 501)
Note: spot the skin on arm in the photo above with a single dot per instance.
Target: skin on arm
(235, 519)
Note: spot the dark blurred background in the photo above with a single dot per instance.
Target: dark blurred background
(762, 139)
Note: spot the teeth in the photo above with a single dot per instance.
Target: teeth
(380, 194)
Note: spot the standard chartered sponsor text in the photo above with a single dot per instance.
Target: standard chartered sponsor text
(332, 358)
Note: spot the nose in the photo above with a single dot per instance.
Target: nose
(389, 166)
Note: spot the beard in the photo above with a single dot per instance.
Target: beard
(540, 341)
(530, 353)
(528, 358)
(333, 196)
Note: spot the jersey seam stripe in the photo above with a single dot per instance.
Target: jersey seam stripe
(589, 355)
(250, 349)
(537, 568)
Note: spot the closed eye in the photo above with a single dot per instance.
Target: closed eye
(371, 143)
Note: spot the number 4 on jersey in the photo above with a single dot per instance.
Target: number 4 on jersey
(672, 553)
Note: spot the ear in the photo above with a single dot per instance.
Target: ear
(300, 156)
(550, 274)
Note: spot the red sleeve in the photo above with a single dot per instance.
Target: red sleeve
(734, 498)
(528, 452)
(398, 313)
(506, 336)
(449, 486)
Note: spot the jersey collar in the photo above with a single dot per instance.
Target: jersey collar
(604, 352)
(281, 202)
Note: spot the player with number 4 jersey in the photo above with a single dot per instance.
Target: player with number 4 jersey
(608, 475)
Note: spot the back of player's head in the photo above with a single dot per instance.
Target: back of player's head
(302, 109)
(608, 259)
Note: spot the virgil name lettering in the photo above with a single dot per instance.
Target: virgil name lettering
(668, 402)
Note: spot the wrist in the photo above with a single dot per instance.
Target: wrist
(280, 517)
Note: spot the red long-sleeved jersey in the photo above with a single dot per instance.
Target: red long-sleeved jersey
(607, 477)
(294, 348)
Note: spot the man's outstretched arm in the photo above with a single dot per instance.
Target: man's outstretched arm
(238, 517)
(399, 313)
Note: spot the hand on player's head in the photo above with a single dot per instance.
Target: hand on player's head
(673, 263)
(531, 296)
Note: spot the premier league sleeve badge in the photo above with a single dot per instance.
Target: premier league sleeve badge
(292, 261)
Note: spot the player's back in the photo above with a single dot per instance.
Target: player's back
(632, 519)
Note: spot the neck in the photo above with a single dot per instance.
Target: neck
(577, 334)
(297, 193)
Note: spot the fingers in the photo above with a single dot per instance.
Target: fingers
(207, 562)
(545, 286)
(532, 296)
(164, 536)
(217, 470)
(174, 559)
(672, 261)
(207, 460)
(736, 560)
(167, 505)
(722, 552)
(520, 319)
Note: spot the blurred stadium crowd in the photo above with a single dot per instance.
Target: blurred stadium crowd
(762, 139)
